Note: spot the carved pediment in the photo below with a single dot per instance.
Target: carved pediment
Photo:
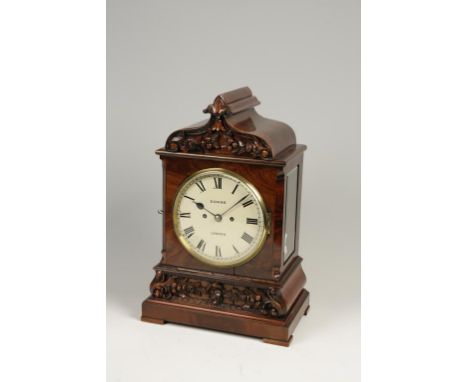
(234, 128)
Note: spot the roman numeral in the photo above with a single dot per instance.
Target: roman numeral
(189, 232)
(247, 203)
(247, 237)
(185, 215)
(201, 245)
(235, 188)
(235, 249)
(188, 197)
(201, 186)
(218, 182)
(252, 221)
(218, 251)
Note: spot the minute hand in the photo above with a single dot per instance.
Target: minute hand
(230, 208)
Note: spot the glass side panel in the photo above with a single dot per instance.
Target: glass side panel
(289, 223)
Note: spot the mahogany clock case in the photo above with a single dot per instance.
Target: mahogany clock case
(263, 297)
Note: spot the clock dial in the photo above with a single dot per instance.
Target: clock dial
(220, 218)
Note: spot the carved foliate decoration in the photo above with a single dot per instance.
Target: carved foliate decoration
(265, 301)
(217, 136)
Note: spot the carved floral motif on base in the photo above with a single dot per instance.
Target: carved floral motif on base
(264, 301)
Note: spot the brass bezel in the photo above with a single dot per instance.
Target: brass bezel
(254, 191)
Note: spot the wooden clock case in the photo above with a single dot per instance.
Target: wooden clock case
(264, 297)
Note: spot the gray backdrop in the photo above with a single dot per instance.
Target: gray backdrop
(166, 62)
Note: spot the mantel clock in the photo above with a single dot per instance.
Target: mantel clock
(231, 196)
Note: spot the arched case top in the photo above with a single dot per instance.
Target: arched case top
(234, 129)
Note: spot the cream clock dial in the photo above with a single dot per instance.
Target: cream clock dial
(220, 218)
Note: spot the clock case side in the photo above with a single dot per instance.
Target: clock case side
(274, 267)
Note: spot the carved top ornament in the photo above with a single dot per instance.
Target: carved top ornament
(233, 129)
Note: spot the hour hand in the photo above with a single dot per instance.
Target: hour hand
(201, 206)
